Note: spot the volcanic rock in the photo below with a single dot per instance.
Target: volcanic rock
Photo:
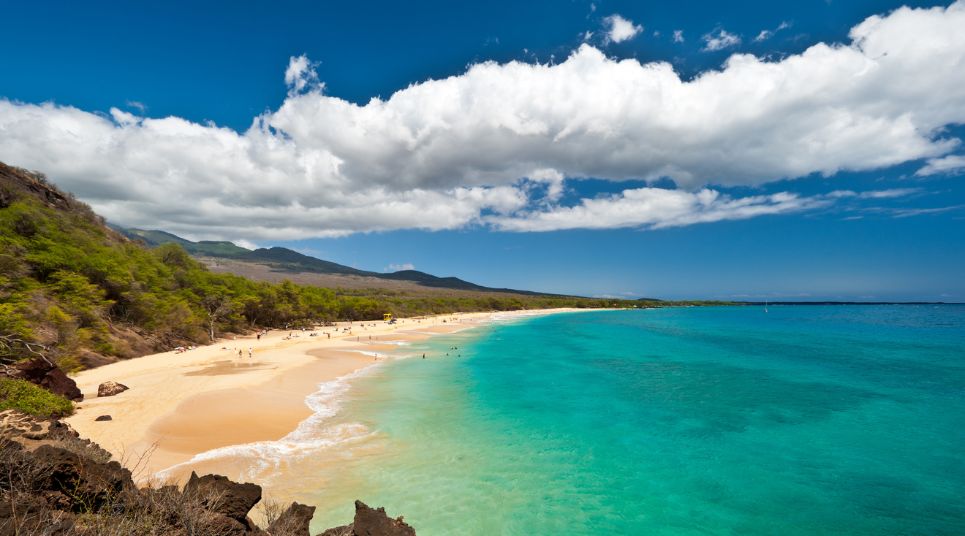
(344, 530)
(224, 496)
(294, 521)
(372, 522)
(89, 484)
(111, 388)
(47, 375)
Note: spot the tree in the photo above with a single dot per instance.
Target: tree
(218, 306)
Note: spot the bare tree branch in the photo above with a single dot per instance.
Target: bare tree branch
(10, 344)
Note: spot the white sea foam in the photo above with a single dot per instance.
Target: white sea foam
(368, 353)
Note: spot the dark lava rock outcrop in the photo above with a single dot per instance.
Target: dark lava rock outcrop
(223, 496)
(45, 374)
(372, 522)
(294, 520)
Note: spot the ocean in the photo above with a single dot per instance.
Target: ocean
(677, 421)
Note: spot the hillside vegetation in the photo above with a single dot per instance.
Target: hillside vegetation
(32, 399)
(91, 295)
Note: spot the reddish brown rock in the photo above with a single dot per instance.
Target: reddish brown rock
(344, 530)
(293, 522)
(47, 375)
(20, 427)
(224, 496)
(372, 522)
(111, 389)
(89, 484)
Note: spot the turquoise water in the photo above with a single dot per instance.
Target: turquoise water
(804, 420)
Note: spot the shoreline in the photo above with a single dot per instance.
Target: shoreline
(181, 405)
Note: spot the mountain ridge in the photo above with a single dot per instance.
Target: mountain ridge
(288, 260)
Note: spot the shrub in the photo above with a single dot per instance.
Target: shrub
(32, 399)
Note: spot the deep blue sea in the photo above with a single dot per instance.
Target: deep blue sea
(678, 421)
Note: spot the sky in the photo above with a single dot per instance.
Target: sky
(743, 150)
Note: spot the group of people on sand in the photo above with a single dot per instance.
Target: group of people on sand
(311, 333)
(251, 352)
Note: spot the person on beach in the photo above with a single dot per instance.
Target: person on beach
(239, 353)
(249, 352)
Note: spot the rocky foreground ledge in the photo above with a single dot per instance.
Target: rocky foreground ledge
(54, 483)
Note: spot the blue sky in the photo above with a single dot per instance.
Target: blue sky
(896, 233)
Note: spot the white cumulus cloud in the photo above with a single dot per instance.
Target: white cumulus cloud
(300, 75)
(465, 150)
(620, 29)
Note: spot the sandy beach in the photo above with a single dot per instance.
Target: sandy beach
(181, 404)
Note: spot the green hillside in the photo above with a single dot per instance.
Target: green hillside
(92, 295)
(202, 248)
